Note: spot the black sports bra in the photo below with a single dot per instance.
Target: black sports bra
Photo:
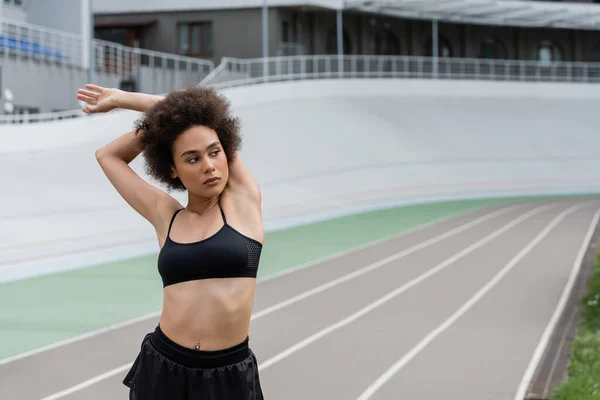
(226, 254)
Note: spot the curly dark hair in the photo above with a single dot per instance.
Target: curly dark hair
(177, 112)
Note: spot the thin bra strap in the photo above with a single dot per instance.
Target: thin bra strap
(172, 220)
(222, 213)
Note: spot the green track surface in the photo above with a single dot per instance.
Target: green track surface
(43, 310)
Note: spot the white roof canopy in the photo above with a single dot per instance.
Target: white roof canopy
(488, 12)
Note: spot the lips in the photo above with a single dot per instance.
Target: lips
(210, 181)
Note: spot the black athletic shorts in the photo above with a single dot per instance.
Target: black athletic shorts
(165, 370)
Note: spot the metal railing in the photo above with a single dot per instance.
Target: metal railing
(236, 72)
(41, 117)
(148, 71)
(127, 62)
(114, 65)
(32, 42)
(152, 71)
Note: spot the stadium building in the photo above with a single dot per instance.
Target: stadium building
(156, 46)
(519, 30)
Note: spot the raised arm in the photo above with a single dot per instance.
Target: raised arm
(101, 100)
(241, 180)
(153, 204)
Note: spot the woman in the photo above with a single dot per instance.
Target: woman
(209, 249)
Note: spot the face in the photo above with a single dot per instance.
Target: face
(200, 162)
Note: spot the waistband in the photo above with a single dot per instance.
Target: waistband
(198, 358)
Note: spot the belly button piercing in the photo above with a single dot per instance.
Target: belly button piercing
(198, 345)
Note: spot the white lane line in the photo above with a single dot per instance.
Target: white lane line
(372, 306)
(89, 382)
(539, 351)
(394, 236)
(387, 375)
(382, 262)
(558, 354)
(314, 291)
(80, 337)
(287, 272)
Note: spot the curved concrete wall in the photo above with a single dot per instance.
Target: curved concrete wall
(318, 149)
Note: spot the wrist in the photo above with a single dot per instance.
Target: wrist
(123, 99)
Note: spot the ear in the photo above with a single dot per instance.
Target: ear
(173, 172)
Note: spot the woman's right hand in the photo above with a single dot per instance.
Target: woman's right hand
(99, 99)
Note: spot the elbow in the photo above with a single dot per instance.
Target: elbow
(100, 155)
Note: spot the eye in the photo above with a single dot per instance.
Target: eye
(214, 153)
(193, 160)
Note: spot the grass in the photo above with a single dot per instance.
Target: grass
(584, 366)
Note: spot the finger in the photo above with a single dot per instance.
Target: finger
(94, 87)
(87, 99)
(88, 93)
(90, 109)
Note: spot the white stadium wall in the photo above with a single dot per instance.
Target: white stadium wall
(318, 149)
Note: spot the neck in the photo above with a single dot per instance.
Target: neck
(201, 205)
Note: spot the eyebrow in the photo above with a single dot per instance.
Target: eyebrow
(188, 152)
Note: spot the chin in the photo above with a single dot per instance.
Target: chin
(221, 186)
(212, 190)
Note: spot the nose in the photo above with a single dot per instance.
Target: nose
(208, 167)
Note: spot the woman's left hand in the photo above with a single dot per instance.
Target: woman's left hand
(99, 99)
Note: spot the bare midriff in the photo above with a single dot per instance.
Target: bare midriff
(213, 314)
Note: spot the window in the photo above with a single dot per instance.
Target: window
(547, 52)
(386, 44)
(594, 54)
(285, 32)
(16, 3)
(331, 44)
(492, 48)
(195, 39)
(444, 48)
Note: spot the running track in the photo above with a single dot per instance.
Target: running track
(459, 309)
